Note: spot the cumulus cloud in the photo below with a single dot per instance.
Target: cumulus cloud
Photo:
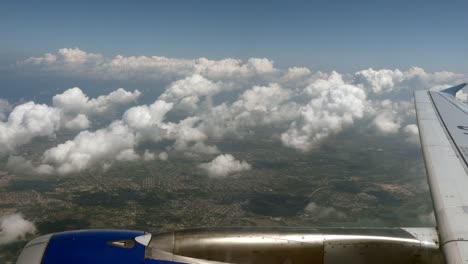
(148, 155)
(25, 122)
(19, 164)
(128, 155)
(462, 96)
(206, 101)
(5, 108)
(412, 133)
(262, 98)
(295, 73)
(420, 79)
(256, 107)
(65, 55)
(387, 122)
(74, 101)
(118, 141)
(378, 81)
(427, 219)
(91, 65)
(186, 93)
(79, 122)
(147, 122)
(318, 211)
(73, 61)
(333, 105)
(144, 117)
(385, 81)
(70, 110)
(163, 156)
(115, 142)
(392, 117)
(223, 165)
(14, 227)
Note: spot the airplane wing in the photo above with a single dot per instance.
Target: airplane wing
(443, 127)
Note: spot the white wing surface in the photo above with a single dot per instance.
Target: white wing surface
(443, 127)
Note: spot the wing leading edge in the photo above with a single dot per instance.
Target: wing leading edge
(443, 126)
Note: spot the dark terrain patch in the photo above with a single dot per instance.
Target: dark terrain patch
(275, 204)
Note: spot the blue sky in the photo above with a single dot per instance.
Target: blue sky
(323, 35)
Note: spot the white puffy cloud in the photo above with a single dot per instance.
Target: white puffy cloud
(395, 81)
(115, 142)
(74, 101)
(5, 108)
(411, 129)
(412, 133)
(163, 156)
(148, 155)
(96, 66)
(73, 61)
(76, 55)
(223, 165)
(47, 58)
(119, 139)
(380, 80)
(262, 98)
(387, 123)
(295, 73)
(264, 105)
(462, 96)
(79, 122)
(19, 164)
(147, 121)
(323, 211)
(189, 137)
(428, 219)
(70, 110)
(233, 68)
(144, 116)
(219, 99)
(333, 106)
(14, 227)
(390, 117)
(421, 79)
(25, 122)
(254, 108)
(186, 92)
(128, 155)
(66, 55)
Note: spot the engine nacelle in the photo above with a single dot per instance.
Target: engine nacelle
(86, 246)
(249, 245)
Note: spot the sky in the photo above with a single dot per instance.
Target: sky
(323, 35)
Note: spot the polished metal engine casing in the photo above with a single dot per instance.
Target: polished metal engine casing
(297, 245)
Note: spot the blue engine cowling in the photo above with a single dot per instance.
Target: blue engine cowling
(87, 246)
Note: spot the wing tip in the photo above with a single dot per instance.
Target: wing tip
(454, 89)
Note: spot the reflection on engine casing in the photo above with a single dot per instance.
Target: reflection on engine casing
(297, 245)
(237, 245)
